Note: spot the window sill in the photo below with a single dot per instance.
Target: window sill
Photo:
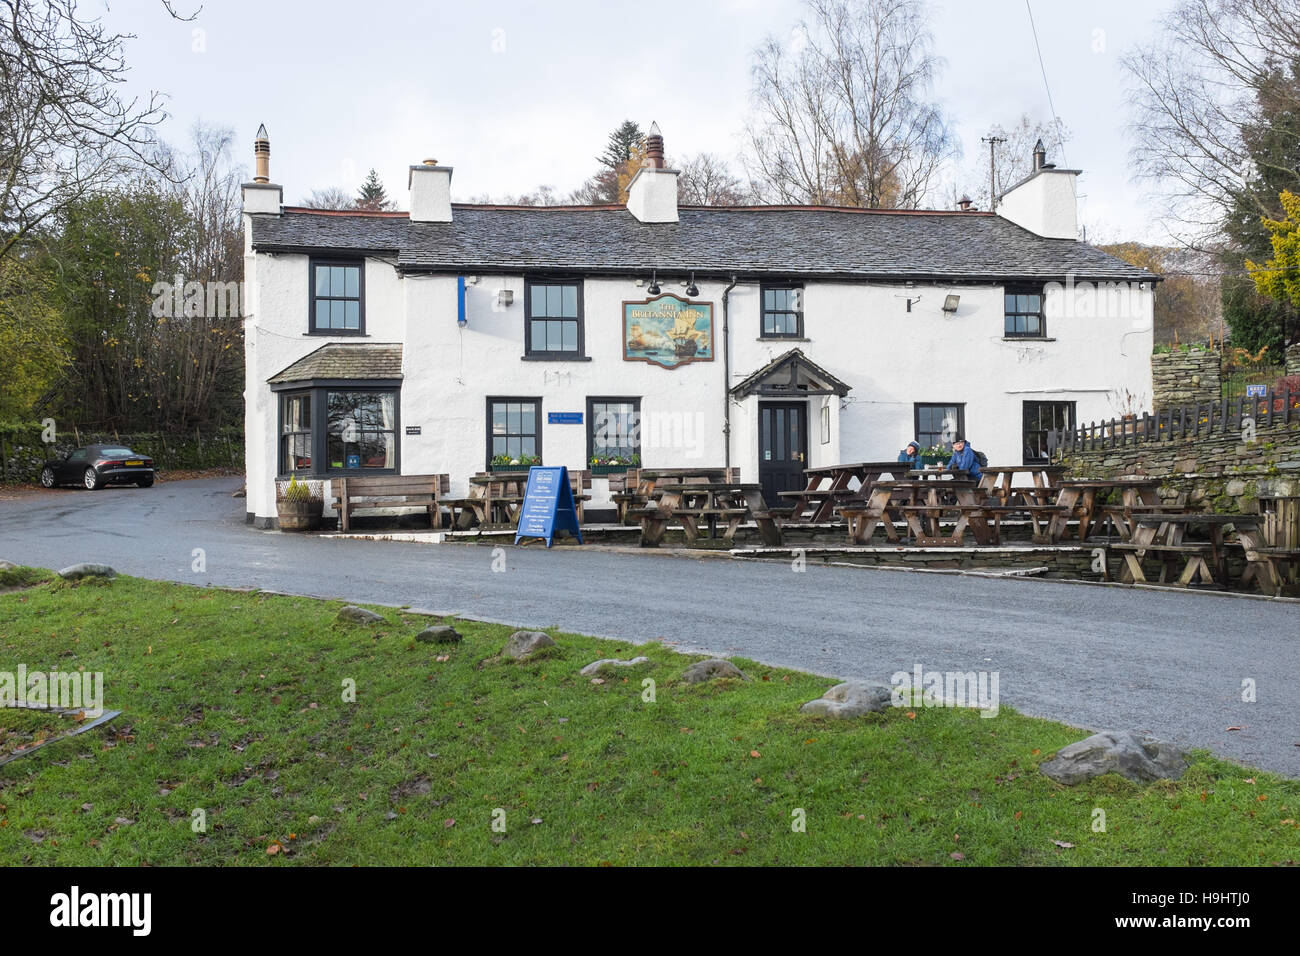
(781, 338)
(555, 358)
(352, 333)
(1027, 338)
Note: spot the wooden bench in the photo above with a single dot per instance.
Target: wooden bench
(349, 495)
(1194, 554)
(1269, 567)
(1040, 519)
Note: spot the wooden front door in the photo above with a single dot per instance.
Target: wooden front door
(782, 449)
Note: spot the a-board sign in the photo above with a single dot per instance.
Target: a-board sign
(548, 506)
(1256, 391)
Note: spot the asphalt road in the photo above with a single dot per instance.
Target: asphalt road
(1170, 663)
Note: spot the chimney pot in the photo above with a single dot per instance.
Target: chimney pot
(1040, 155)
(431, 162)
(262, 155)
(654, 147)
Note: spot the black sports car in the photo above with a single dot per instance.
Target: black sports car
(97, 465)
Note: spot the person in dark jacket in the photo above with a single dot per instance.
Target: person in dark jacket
(912, 455)
(963, 457)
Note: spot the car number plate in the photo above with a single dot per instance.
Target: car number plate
(134, 462)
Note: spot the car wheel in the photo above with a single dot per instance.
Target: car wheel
(91, 479)
(146, 482)
(47, 477)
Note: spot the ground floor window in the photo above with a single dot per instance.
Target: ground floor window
(1041, 419)
(514, 431)
(360, 430)
(338, 430)
(939, 424)
(614, 431)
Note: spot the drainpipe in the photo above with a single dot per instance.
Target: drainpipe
(726, 373)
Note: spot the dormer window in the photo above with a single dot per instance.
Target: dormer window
(1023, 313)
(337, 297)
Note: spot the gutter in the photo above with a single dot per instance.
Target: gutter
(726, 372)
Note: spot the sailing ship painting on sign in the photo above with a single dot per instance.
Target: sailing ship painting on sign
(668, 331)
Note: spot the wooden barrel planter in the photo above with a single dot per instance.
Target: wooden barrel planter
(299, 515)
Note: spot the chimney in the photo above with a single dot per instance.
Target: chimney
(964, 204)
(430, 186)
(261, 196)
(1045, 202)
(652, 194)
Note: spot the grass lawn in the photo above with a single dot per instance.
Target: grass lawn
(233, 704)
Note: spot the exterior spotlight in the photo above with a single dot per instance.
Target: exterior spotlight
(950, 304)
(692, 290)
(653, 287)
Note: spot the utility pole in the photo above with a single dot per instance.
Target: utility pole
(993, 178)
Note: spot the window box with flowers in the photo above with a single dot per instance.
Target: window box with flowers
(615, 465)
(504, 464)
(936, 455)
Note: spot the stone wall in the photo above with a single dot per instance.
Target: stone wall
(1221, 471)
(1185, 377)
(1293, 359)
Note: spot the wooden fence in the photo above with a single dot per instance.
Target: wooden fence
(1186, 421)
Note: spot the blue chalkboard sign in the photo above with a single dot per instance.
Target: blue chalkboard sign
(548, 506)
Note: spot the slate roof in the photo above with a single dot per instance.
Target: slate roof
(344, 360)
(752, 241)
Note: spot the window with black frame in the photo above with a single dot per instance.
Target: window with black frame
(614, 431)
(337, 299)
(938, 424)
(514, 431)
(1040, 419)
(295, 432)
(554, 317)
(782, 311)
(1023, 313)
(360, 430)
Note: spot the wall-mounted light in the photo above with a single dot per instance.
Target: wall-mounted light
(639, 282)
(471, 280)
(505, 297)
(692, 290)
(950, 304)
(653, 287)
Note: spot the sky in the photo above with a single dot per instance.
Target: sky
(515, 95)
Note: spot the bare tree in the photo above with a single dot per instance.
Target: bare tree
(843, 110)
(706, 180)
(64, 128)
(1013, 157)
(1219, 69)
(331, 197)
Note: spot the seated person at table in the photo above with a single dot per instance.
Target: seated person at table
(912, 455)
(965, 458)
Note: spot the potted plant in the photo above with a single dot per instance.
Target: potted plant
(935, 455)
(614, 465)
(505, 464)
(299, 504)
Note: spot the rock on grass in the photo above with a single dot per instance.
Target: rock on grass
(358, 615)
(610, 663)
(444, 634)
(851, 699)
(1139, 757)
(524, 644)
(712, 669)
(76, 572)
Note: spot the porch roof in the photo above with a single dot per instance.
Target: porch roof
(793, 375)
(343, 361)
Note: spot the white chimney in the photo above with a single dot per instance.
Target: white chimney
(652, 194)
(261, 196)
(1046, 202)
(430, 192)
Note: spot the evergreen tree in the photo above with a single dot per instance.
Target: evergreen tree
(372, 195)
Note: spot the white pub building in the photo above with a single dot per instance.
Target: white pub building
(765, 338)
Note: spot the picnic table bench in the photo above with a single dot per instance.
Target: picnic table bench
(494, 500)
(1078, 499)
(918, 502)
(833, 485)
(711, 502)
(371, 492)
(998, 482)
(1162, 535)
(639, 485)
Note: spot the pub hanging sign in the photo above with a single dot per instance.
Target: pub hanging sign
(668, 331)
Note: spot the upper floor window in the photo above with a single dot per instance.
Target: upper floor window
(553, 319)
(337, 297)
(1023, 310)
(782, 311)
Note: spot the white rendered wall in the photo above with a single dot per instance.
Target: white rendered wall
(861, 334)
(1046, 205)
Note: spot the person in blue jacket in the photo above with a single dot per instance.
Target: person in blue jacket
(912, 455)
(963, 457)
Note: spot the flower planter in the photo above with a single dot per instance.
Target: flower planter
(933, 460)
(299, 515)
(609, 469)
(509, 469)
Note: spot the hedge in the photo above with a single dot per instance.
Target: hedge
(23, 453)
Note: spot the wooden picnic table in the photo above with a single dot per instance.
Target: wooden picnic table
(998, 481)
(1078, 499)
(919, 502)
(1163, 535)
(710, 502)
(832, 485)
(495, 499)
